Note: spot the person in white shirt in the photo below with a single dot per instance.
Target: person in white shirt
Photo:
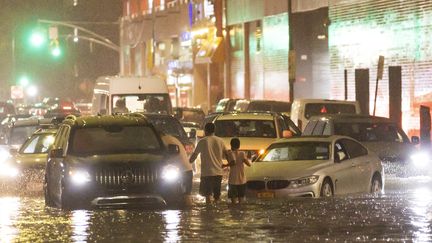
(237, 178)
(212, 150)
(182, 162)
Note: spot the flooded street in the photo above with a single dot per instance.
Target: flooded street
(403, 213)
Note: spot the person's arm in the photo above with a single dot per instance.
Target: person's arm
(195, 153)
(246, 160)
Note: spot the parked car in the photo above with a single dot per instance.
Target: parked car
(263, 105)
(189, 114)
(18, 131)
(168, 124)
(111, 161)
(26, 166)
(226, 104)
(303, 109)
(379, 134)
(256, 130)
(314, 167)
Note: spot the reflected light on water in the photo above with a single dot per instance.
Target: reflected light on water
(80, 225)
(420, 205)
(9, 207)
(172, 221)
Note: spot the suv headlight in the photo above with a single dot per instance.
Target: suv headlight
(420, 159)
(305, 181)
(79, 177)
(170, 173)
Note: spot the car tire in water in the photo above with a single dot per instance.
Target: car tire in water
(326, 188)
(376, 184)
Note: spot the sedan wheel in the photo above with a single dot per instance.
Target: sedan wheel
(326, 189)
(376, 185)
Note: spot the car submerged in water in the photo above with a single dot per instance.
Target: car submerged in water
(25, 168)
(111, 161)
(314, 167)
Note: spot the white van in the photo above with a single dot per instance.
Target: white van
(303, 109)
(135, 94)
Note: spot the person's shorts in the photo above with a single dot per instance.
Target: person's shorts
(211, 185)
(187, 181)
(236, 190)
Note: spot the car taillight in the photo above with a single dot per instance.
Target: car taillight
(67, 108)
(189, 148)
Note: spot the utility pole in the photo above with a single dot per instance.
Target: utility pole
(291, 54)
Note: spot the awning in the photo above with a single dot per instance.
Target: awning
(210, 52)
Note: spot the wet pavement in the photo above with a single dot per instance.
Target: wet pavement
(402, 213)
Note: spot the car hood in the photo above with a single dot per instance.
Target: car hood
(116, 159)
(247, 143)
(285, 170)
(390, 149)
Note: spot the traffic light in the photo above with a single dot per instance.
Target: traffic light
(55, 48)
(37, 38)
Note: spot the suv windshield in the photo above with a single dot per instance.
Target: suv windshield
(298, 151)
(368, 132)
(113, 140)
(245, 128)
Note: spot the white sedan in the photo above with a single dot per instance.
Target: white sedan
(314, 167)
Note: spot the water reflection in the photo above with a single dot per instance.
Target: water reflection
(80, 225)
(172, 221)
(422, 218)
(9, 210)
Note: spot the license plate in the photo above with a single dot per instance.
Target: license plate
(265, 195)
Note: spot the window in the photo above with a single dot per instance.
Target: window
(340, 153)
(353, 148)
(114, 139)
(245, 128)
(39, 143)
(298, 151)
(327, 108)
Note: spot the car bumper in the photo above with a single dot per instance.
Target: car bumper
(304, 191)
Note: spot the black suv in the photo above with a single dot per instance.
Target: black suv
(111, 161)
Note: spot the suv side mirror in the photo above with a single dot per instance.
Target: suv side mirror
(415, 140)
(56, 153)
(173, 149)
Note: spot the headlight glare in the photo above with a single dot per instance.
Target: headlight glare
(304, 181)
(170, 173)
(8, 170)
(79, 177)
(420, 159)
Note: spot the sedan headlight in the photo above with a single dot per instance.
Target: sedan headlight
(4, 155)
(305, 181)
(420, 159)
(170, 173)
(79, 177)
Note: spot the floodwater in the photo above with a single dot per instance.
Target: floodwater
(402, 213)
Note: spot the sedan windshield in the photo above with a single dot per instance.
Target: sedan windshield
(297, 151)
(114, 140)
(38, 143)
(245, 128)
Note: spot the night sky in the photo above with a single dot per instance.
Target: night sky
(80, 62)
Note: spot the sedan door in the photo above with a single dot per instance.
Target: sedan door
(362, 165)
(342, 170)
